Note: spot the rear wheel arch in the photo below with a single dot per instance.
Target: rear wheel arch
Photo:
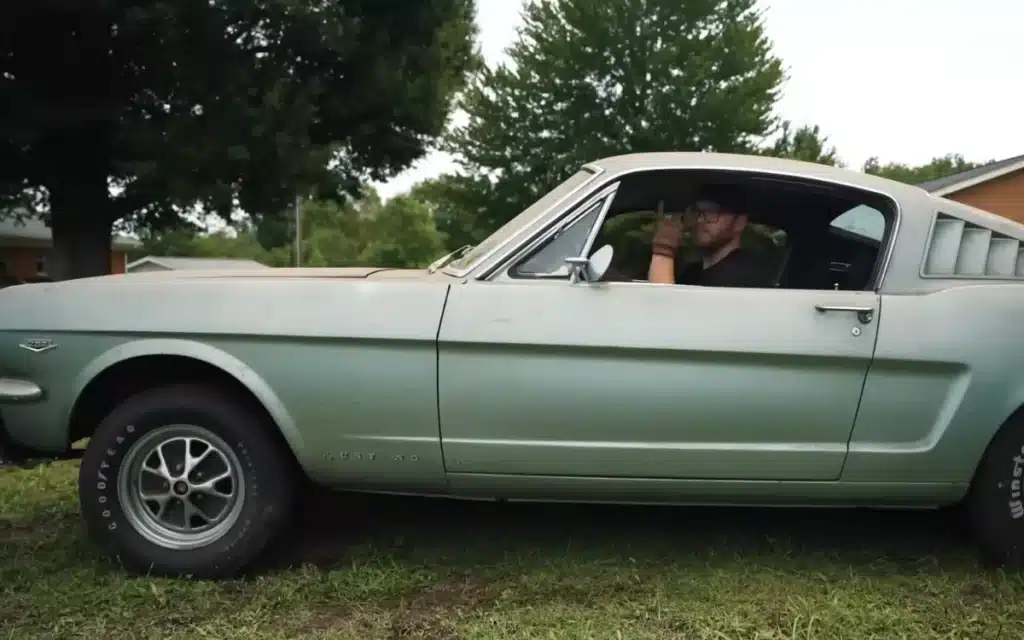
(994, 504)
(1013, 420)
(127, 370)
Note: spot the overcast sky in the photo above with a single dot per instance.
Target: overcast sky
(905, 80)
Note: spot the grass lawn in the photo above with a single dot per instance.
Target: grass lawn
(366, 568)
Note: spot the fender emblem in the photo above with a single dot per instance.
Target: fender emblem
(38, 345)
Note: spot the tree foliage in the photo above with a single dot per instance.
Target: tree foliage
(458, 207)
(217, 104)
(592, 78)
(175, 243)
(399, 233)
(402, 234)
(805, 143)
(939, 167)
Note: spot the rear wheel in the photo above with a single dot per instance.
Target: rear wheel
(183, 480)
(995, 504)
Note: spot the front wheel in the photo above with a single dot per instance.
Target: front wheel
(183, 480)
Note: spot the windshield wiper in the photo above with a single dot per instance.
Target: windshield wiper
(448, 258)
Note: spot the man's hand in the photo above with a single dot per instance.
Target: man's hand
(668, 237)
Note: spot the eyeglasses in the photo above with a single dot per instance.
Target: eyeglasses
(705, 211)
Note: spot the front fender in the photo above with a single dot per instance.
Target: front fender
(197, 351)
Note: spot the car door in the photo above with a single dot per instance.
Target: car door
(635, 380)
(638, 380)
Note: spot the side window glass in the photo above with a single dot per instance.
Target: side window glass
(862, 220)
(549, 259)
(853, 245)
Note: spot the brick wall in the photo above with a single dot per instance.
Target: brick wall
(25, 262)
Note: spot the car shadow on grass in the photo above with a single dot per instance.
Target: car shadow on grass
(334, 530)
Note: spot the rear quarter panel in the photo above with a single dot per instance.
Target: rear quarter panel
(348, 368)
(948, 367)
(946, 374)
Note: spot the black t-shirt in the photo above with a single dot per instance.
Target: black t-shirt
(740, 268)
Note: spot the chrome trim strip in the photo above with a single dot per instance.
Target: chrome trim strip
(592, 236)
(596, 172)
(14, 391)
(890, 240)
(618, 176)
(928, 244)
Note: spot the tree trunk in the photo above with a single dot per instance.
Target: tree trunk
(81, 223)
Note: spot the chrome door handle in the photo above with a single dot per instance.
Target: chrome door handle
(840, 307)
(864, 314)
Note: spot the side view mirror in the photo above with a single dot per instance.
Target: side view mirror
(590, 269)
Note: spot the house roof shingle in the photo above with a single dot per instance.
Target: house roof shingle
(971, 174)
(36, 229)
(179, 263)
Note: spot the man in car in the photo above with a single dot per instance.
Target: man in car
(716, 234)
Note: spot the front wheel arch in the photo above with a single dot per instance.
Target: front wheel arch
(261, 476)
(127, 369)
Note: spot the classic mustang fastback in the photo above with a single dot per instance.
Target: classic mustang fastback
(884, 366)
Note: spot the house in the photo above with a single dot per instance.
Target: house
(997, 187)
(155, 263)
(26, 246)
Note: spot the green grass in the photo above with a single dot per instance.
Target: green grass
(391, 568)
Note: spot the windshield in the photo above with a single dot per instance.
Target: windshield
(510, 228)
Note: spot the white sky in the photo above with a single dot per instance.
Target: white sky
(904, 80)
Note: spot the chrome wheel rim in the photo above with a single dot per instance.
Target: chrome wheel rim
(181, 487)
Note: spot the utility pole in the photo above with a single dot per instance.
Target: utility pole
(298, 230)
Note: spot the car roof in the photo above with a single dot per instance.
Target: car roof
(701, 160)
(725, 161)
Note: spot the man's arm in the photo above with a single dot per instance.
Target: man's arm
(668, 235)
(662, 269)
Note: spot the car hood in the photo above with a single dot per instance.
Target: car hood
(224, 275)
(259, 274)
(132, 301)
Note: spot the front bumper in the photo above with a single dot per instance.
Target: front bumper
(18, 391)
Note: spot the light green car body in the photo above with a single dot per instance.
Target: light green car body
(465, 383)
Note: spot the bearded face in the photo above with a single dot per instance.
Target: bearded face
(713, 227)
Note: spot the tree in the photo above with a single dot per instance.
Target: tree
(366, 232)
(939, 167)
(224, 243)
(402, 235)
(450, 199)
(806, 143)
(592, 78)
(334, 233)
(220, 104)
(173, 243)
